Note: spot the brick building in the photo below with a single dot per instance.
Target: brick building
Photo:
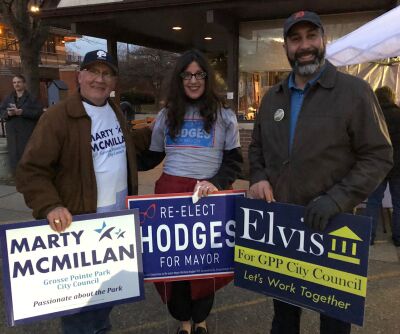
(53, 56)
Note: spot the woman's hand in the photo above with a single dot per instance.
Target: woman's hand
(204, 188)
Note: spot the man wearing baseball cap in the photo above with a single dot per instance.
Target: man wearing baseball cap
(319, 140)
(81, 158)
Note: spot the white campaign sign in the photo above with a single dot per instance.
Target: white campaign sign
(97, 260)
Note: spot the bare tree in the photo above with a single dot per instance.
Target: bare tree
(146, 67)
(31, 33)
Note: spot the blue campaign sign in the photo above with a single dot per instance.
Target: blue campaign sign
(182, 240)
(95, 263)
(277, 255)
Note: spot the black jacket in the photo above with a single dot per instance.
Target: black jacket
(31, 108)
(341, 146)
(392, 116)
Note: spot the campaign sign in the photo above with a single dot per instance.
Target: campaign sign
(182, 240)
(95, 263)
(277, 255)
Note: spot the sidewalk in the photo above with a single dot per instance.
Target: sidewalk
(235, 309)
(12, 205)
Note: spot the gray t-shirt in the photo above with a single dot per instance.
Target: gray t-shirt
(195, 153)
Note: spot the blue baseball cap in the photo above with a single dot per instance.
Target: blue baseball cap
(99, 56)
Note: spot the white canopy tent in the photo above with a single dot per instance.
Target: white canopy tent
(363, 52)
(372, 51)
(377, 39)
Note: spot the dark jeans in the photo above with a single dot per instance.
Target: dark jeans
(287, 321)
(92, 322)
(374, 206)
(183, 308)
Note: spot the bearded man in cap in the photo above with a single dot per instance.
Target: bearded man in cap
(319, 140)
(81, 158)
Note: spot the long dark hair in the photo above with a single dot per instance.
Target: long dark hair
(209, 103)
(385, 95)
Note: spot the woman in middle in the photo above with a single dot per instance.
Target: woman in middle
(200, 139)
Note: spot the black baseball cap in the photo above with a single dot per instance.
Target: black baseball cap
(99, 56)
(301, 16)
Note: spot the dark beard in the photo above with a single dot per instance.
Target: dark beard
(307, 69)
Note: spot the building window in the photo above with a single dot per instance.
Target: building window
(263, 62)
(7, 41)
(50, 45)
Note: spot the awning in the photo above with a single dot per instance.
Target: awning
(377, 39)
(71, 3)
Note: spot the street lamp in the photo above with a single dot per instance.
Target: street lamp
(34, 6)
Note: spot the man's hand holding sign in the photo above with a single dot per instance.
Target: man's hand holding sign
(319, 211)
(59, 219)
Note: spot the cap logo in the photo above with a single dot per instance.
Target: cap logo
(299, 14)
(101, 54)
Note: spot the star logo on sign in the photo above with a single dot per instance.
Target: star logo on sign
(101, 229)
(120, 234)
(104, 231)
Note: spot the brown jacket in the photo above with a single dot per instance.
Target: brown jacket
(57, 167)
(341, 145)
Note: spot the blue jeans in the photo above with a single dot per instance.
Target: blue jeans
(374, 206)
(91, 322)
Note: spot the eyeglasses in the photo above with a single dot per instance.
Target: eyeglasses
(197, 75)
(94, 73)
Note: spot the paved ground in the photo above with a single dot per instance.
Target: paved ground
(235, 310)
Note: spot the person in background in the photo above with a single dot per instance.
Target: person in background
(69, 166)
(319, 140)
(128, 110)
(21, 112)
(391, 111)
(205, 162)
